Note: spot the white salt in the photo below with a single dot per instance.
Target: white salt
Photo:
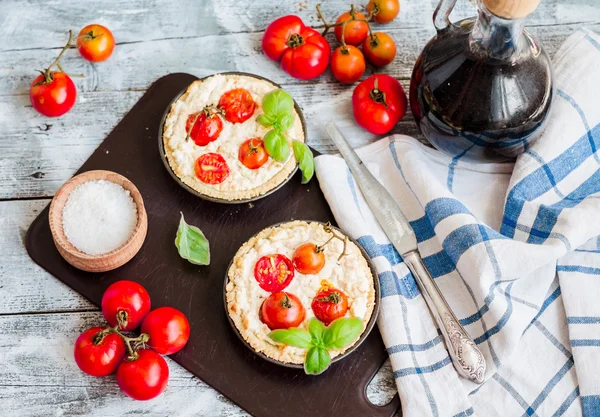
(99, 216)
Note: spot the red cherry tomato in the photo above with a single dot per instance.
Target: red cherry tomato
(53, 97)
(384, 10)
(378, 103)
(282, 310)
(143, 378)
(126, 298)
(253, 154)
(207, 127)
(308, 259)
(96, 43)
(238, 104)
(329, 304)
(303, 52)
(379, 49)
(348, 64)
(355, 32)
(96, 355)
(211, 168)
(168, 328)
(274, 272)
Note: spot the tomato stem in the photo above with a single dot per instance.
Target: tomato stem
(332, 297)
(377, 95)
(295, 40)
(334, 235)
(286, 301)
(353, 18)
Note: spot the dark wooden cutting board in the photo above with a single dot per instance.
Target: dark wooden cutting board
(214, 353)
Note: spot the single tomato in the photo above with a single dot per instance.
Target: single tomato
(308, 259)
(211, 168)
(379, 49)
(96, 43)
(378, 103)
(168, 328)
(355, 31)
(274, 272)
(205, 125)
(99, 354)
(52, 93)
(302, 51)
(347, 64)
(253, 154)
(282, 310)
(145, 377)
(329, 304)
(384, 11)
(127, 299)
(238, 105)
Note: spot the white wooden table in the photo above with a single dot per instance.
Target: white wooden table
(40, 318)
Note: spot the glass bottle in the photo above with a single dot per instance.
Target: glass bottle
(482, 87)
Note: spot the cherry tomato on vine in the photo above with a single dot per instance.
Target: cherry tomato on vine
(379, 49)
(308, 259)
(329, 304)
(355, 32)
(253, 154)
(347, 64)
(96, 43)
(274, 272)
(384, 10)
(145, 377)
(282, 310)
(168, 328)
(238, 105)
(378, 103)
(125, 298)
(99, 354)
(302, 51)
(53, 94)
(207, 127)
(211, 168)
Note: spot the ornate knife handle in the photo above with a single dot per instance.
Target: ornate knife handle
(466, 356)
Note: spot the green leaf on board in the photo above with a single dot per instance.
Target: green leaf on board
(192, 244)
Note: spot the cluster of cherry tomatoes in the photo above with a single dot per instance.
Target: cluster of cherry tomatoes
(142, 373)
(53, 93)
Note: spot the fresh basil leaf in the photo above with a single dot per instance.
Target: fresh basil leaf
(317, 330)
(284, 122)
(317, 360)
(192, 244)
(277, 146)
(293, 337)
(266, 120)
(278, 102)
(342, 332)
(305, 159)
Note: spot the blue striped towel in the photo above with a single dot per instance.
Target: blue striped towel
(513, 247)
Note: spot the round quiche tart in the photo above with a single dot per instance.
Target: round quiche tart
(288, 274)
(214, 143)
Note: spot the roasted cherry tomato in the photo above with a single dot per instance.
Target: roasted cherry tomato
(53, 95)
(238, 105)
(145, 377)
(329, 304)
(207, 126)
(99, 354)
(355, 32)
(378, 103)
(379, 49)
(308, 259)
(129, 300)
(96, 43)
(302, 51)
(274, 272)
(282, 310)
(168, 328)
(384, 11)
(253, 154)
(211, 168)
(348, 64)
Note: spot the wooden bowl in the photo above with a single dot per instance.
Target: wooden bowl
(106, 261)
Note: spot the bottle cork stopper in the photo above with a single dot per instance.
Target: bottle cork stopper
(511, 9)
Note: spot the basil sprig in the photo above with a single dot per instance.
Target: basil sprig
(318, 340)
(192, 244)
(278, 113)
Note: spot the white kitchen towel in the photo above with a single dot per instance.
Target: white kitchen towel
(513, 247)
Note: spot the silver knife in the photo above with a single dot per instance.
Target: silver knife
(466, 356)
